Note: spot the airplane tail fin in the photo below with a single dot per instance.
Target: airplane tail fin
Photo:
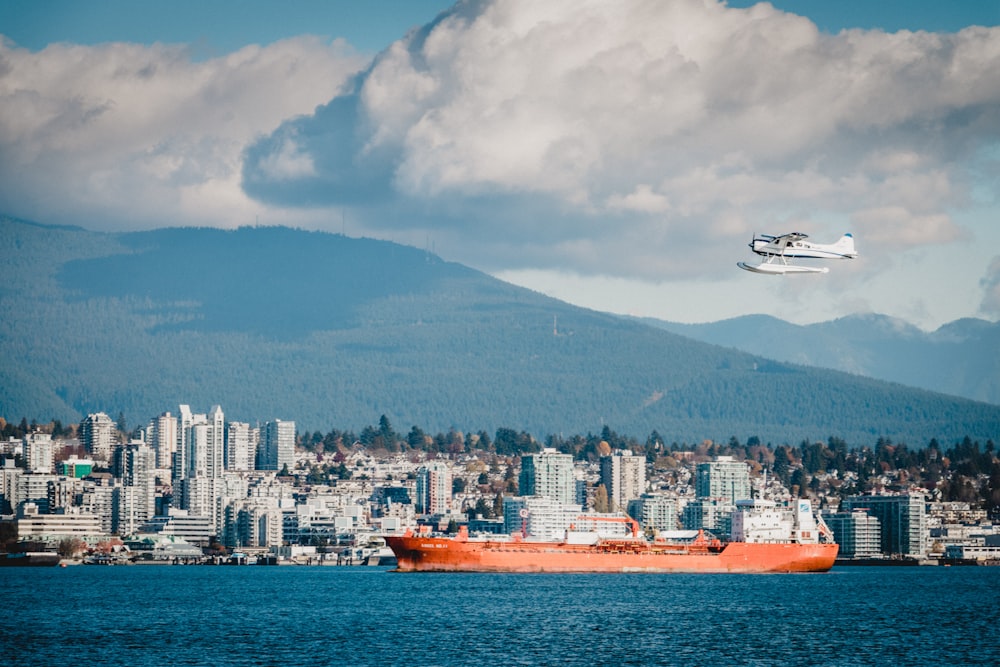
(845, 245)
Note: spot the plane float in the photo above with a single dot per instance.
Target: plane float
(777, 250)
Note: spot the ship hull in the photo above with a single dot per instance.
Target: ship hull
(437, 554)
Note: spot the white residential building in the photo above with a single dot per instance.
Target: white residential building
(241, 446)
(539, 517)
(723, 479)
(39, 452)
(135, 499)
(162, 437)
(97, 434)
(253, 522)
(548, 474)
(33, 525)
(624, 476)
(433, 488)
(655, 511)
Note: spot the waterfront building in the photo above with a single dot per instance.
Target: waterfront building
(858, 533)
(548, 474)
(160, 547)
(98, 499)
(723, 479)
(253, 522)
(902, 518)
(52, 528)
(38, 452)
(539, 516)
(433, 488)
(654, 511)
(200, 495)
(977, 552)
(193, 528)
(623, 474)
(277, 445)
(134, 501)
(97, 434)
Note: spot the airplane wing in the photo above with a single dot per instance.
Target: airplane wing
(790, 237)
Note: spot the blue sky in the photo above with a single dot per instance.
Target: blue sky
(218, 27)
(615, 155)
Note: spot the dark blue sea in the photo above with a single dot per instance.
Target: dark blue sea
(221, 616)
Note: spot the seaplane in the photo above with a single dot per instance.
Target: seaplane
(777, 250)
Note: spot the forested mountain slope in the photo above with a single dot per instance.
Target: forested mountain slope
(333, 331)
(960, 358)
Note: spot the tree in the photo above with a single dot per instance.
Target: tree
(781, 464)
(601, 504)
(415, 438)
(458, 485)
(484, 509)
(70, 547)
(389, 436)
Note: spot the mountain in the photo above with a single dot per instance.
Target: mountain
(961, 358)
(334, 332)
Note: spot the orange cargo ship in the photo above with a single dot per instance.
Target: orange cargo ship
(762, 542)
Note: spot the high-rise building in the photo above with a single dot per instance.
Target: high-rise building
(252, 522)
(97, 435)
(241, 446)
(215, 443)
(723, 479)
(135, 500)
(162, 437)
(654, 511)
(38, 452)
(433, 488)
(858, 533)
(624, 476)
(277, 445)
(10, 478)
(708, 513)
(98, 498)
(33, 488)
(539, 516)
(185, 419)
(548, 474)
(902, 518)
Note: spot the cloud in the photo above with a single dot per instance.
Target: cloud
(573, 132)
(990, 283)
(125, 136)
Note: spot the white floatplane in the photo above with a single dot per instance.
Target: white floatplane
(777, 250)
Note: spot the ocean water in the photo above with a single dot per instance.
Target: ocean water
(241, 616)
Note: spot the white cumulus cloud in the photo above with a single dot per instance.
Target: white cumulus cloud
(123, 135)
(620, 128)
